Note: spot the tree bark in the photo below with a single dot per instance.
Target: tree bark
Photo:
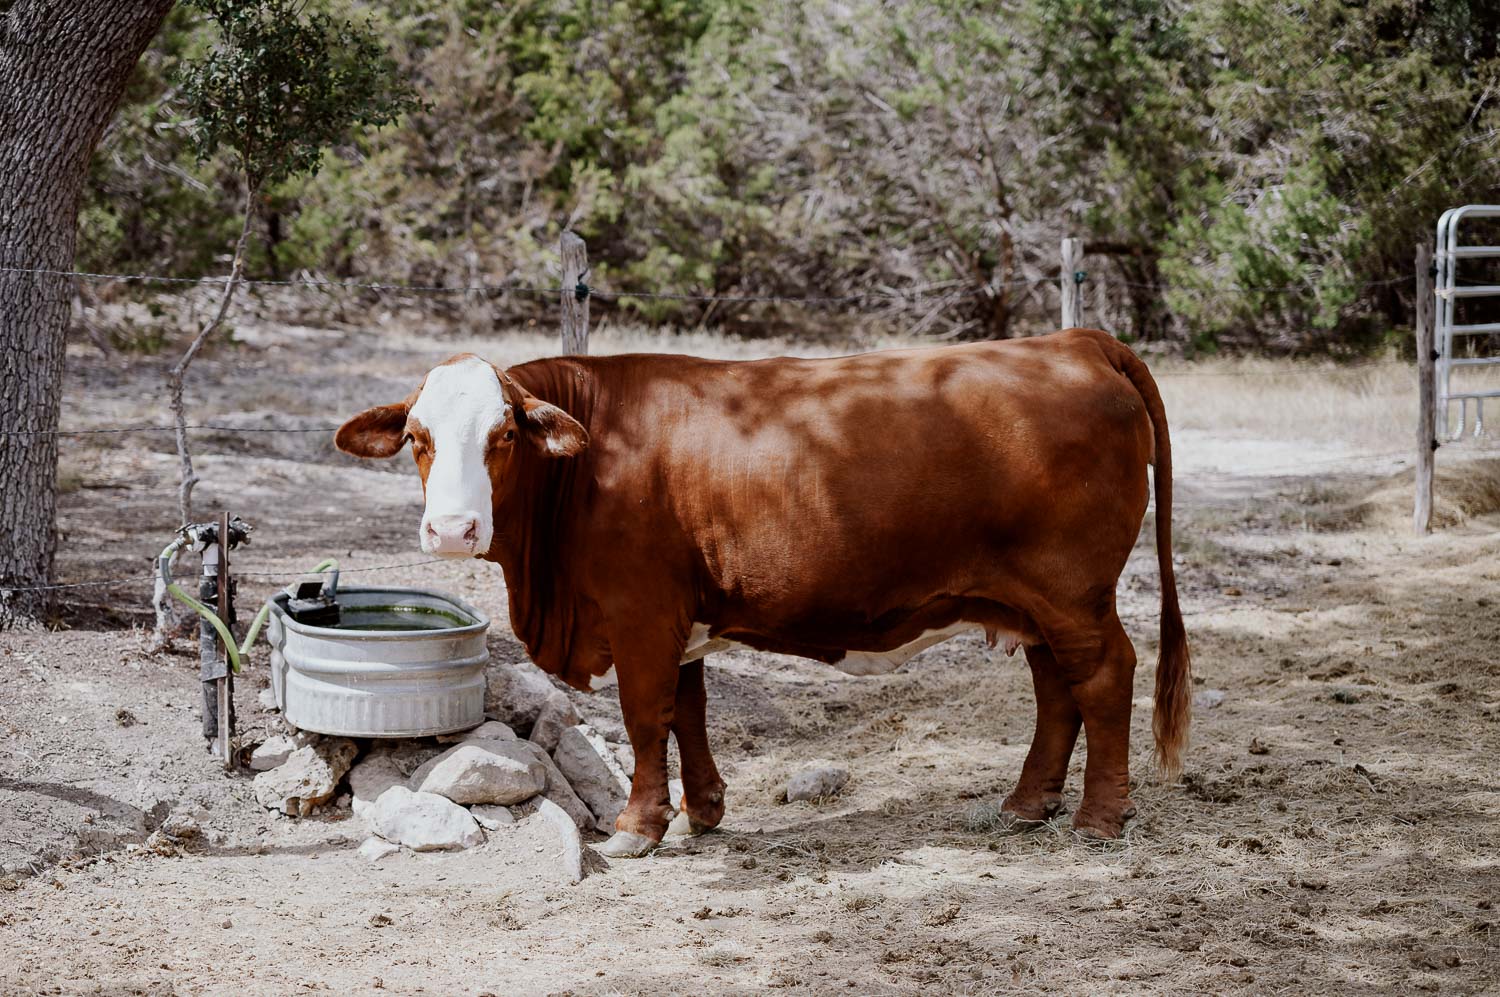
(63, 66)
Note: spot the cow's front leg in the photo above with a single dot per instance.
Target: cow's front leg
(648, 698)
(702, 788)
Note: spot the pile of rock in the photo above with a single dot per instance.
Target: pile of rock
(444, 793)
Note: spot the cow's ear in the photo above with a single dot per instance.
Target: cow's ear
(552, 431)
(376, 432)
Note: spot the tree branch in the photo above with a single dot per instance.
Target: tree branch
(179, 371)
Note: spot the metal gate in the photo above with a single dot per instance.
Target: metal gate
(1445, 333)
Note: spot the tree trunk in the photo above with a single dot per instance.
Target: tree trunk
(63, 67)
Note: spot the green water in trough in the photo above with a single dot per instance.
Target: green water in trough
(398, 618)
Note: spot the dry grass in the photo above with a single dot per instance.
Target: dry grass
(1370, 407)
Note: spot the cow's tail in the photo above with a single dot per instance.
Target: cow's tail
(1174, 679)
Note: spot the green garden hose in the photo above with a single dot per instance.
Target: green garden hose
(236, 651)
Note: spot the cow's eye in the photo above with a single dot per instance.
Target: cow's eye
(510, 434)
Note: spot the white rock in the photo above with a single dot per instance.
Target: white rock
(557, 714)
(625, 755)
(271, 752)
(516, 693)
(674, 793)
(423, 822)
(816, 783)
(490, 730)
(502, 772)
(592, 770)
(267, 699)
(1208, 699)
(575, 859)
(374, 774)
(491, 817)
(307, 778)
(611, 726)
(374, 849)
(560, 791)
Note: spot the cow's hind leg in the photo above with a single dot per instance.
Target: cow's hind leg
(702, 788)
(1101, 669)
(1038, 793)
(648, 698)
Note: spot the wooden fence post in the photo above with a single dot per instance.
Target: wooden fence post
(1072, 256)
(1101, 306)
(225, 685)
(575, 302)
(1426, 390)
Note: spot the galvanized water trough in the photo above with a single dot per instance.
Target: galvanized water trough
(398, 662)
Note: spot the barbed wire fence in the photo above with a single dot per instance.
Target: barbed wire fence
(1070, 279)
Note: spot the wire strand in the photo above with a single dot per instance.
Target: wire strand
(617, 294)
(95, 583)
(130, 579)
(168, 429)
(590, 291)
(343, 571)
(313, 282)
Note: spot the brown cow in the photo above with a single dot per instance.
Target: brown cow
(648, 510)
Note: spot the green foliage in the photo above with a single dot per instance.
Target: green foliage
(282, 86)
(1243, 172)
(1346, 130)
(149, 206)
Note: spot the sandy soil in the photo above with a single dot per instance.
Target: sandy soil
(1335, 831)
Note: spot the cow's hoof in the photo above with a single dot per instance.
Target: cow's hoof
(1094, 835)
(1095, 826)
(1032, 812)
(626, 845)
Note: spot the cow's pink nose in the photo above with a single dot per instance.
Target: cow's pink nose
(451, 534)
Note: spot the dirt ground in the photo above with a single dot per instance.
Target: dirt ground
(1335, 832)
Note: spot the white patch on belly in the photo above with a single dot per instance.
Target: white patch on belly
(885, 662)
(609, 678)
(700, 644)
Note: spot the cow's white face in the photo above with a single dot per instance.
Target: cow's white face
(463, 424)
(460, 406)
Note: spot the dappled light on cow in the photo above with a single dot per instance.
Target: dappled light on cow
(854, 511)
